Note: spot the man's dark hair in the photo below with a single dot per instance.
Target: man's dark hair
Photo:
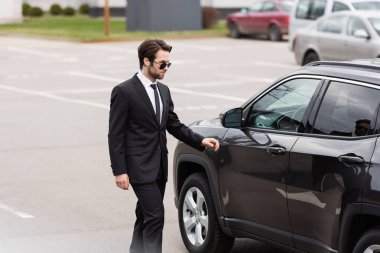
(149, 48)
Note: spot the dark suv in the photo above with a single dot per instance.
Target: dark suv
(298, 166)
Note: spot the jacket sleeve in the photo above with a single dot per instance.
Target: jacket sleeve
(116, 133)
(181, 131)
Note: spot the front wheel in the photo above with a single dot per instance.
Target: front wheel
(274, 33)
(234, 31)
(369, 242)
(198, 222)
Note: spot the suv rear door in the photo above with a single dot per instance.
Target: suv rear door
(328, 166)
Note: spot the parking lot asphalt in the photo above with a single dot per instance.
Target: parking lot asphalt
(57, 192)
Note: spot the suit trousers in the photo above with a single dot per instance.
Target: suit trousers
(147, 233)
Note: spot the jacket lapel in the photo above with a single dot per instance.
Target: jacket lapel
(142, 92)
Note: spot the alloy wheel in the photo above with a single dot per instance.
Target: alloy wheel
(195, 216)
(372, 249)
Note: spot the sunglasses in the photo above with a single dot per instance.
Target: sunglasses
(163, 64)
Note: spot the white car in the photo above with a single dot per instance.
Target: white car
(306, 11)
(339, 36)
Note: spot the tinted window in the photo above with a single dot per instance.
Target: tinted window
(347, 110)
(337, 6)
(375, 22)
(269, 7)
(355, 24)
(366, 5)
(310, 9)
(283, 107)
(331, 25)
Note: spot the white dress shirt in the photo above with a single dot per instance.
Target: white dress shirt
(146, 82)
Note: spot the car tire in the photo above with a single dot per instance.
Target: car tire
(369, 242)
(234, 31)
(310, 57)
(198, 222)
(274, 33)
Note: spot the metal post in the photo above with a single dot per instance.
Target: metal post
(106, 18)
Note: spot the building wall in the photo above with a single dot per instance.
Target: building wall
(10, 11)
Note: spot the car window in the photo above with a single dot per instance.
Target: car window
(286, 6)
(256, 7)
(283, 107)
(355, 24)
(337, 6)
(346, 110)
(310, 9)
(269, 7)
(375, 22)
(367, 5)
(331, 24)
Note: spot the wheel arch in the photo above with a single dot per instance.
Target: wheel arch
(188, 164)
(356, 220)
(274, 22)
(308, 51)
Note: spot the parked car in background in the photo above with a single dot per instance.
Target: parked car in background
(340, 36)
(306, 11)
(269, 17)
(298, 166)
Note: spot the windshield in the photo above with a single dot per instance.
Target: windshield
(367, 5)
(375, 22)
(286, 6)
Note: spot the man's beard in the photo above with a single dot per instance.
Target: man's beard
(153, 74)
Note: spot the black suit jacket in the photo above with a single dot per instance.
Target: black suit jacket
(137, 141)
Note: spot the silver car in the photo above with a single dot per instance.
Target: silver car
(340, 36)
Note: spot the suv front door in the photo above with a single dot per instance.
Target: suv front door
(253, 183)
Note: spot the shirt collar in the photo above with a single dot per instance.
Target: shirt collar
(144, 80)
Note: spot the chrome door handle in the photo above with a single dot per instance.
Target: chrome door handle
(276, 150)
(351, 159)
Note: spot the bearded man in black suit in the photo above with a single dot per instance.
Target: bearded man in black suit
(141, 112)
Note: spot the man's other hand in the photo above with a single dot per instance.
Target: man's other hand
(122, 181)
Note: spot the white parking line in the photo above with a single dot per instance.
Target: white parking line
(183, 91)
(33, 52)
(98, 77)
(212, 95)
(54, 97)
(102, 106)
(15, 211)
(252, 63)
(82, 91)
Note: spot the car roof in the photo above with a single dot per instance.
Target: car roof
(364, 70)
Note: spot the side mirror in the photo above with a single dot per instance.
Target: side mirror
(232, 118)
(361, 33)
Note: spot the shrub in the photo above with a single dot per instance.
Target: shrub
(84, 9)
(55, 9)
(25, 9)
(35, 12)
(210, 16)
(68, 11)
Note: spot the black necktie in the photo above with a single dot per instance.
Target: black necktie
(157, 101)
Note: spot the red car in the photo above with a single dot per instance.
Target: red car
(270, 17)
